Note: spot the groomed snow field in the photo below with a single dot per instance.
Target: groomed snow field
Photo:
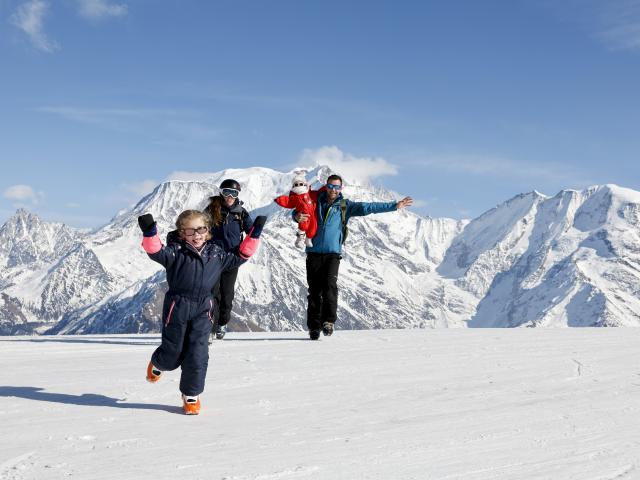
(458, 404)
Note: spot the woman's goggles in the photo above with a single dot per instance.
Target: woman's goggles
(230, 192)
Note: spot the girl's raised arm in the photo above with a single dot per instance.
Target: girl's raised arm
(151, 242)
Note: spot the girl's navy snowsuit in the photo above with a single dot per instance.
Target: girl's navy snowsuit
(187, 310)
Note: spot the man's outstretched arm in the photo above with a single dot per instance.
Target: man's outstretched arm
(359, 209)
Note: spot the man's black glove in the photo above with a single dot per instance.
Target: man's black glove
(258, 225)
(147, 225)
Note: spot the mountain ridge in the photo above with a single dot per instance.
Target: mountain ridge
(572, 259)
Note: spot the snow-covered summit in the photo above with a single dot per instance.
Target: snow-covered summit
(25, 238)
(566, 260)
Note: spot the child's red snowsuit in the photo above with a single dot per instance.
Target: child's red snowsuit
(303, 203)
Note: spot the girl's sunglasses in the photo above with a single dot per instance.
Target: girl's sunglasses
(333, 186)
(190, 232)
(230, 192)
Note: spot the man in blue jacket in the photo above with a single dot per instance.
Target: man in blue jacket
(323, 258)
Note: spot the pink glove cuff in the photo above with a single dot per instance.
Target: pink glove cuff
(152, 245)
(248, 247)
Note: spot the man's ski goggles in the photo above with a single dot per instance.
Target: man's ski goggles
(190, 232)
(333, 186)
(230, 192)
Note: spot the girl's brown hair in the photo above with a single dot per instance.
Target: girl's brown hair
(188, 215)
(214, 209)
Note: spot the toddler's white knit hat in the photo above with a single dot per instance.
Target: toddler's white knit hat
(298, 178)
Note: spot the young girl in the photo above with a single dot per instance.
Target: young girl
(304, 201)
(193, 266)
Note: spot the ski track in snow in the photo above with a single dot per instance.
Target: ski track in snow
(14, 465)
(393, 404)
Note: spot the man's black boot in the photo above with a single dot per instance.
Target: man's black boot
(327, 329)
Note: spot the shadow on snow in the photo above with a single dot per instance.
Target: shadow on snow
(280, 339)
(105, 341)
(85, 400)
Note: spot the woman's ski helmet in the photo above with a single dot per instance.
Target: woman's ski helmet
(230, 183)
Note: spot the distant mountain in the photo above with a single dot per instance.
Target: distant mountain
(568, 260)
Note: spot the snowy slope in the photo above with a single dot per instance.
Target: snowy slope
(449, 404)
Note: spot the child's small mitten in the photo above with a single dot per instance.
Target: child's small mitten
(147, 225)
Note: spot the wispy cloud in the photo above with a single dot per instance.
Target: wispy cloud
(139, 189)
(105, 116)
(184, 176)
(348, 166)
(418, 203)
(615, 23)
(619, 23)
(23, 193)
(29, 17)
(167, 126)
(345, 106)
(130, 193)
(496, 166)
(101, 9)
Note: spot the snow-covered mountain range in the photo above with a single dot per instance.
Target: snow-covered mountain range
(568, 260)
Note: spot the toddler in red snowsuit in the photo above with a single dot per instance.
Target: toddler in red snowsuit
(304, 201)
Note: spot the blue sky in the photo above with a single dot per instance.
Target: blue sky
(460, 104)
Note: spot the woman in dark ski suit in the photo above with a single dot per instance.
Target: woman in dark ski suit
(230, 222)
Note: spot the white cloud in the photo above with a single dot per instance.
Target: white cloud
(140, 189)
(185, 176)
(417, 203)
(99, 9)
(504, 167)
(107, 116)
(165, 126)
(23, 193)
(29, 17)
(130, 193)
(620, 24)
(616, 23)
(346, 165)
